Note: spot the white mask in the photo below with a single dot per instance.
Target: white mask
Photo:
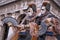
(31, 12)
(43, 10)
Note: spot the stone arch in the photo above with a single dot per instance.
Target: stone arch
(9, 14)
(20, 17)
(2, 16)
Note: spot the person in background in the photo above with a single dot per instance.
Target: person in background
(45, 13)
(31, 12)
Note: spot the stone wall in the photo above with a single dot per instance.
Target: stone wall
(17, 6)
(55, 9)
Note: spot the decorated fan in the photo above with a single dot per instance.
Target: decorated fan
(10, 21)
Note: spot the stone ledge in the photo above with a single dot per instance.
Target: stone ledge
(57, 2)
(2, 2)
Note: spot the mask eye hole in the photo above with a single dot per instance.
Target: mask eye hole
(42, 9)
(28, 11)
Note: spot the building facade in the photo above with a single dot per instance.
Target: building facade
(14, 8)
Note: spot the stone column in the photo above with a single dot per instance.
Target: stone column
(1, 32)
(1, 28)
